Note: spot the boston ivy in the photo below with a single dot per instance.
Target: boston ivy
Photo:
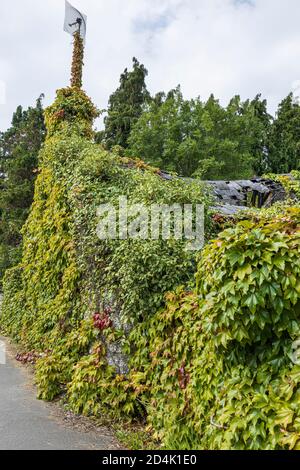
(212, 368)
(219, 367)
(67, 275)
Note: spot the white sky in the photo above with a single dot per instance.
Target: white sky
(225, 47)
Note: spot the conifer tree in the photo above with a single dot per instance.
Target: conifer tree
(284, 140)
(126, 105)
(19, 148)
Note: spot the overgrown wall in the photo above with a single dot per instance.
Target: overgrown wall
(74, 299)
(212, 369)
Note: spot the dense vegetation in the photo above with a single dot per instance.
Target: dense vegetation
(67, 274)
(198, 344)
(283, 147)
(217, 347)
(190, 137)
(19, 148)
(220, 370)
(201, 138)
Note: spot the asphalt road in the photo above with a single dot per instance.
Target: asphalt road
(29, 424)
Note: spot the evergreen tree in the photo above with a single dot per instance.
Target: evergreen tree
(259, 127)
(19, 148)
(126, 106)
(284, 140)
(252, 124)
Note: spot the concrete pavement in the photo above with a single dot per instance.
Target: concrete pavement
(29, 424)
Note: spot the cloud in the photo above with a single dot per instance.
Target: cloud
(154, 23)
(243, 2)
(224, 47)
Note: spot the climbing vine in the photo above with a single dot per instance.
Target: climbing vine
(209, 363)
(220, 369)
(77, 62)
(76, 298)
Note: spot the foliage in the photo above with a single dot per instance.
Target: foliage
(206, 140)
(77, 62)
(126, 105)
(219, 366)
(54, 369)
(212, 369)
(259, 129)
(19, 147)
(201, 139)
(58, 301)
(74, 108)
(283, 145)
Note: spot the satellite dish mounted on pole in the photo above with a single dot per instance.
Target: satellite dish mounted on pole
(75, 24)
(75, 21)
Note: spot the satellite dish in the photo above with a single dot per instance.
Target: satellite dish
(75, 21)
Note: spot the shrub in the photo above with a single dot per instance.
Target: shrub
(219, 363)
